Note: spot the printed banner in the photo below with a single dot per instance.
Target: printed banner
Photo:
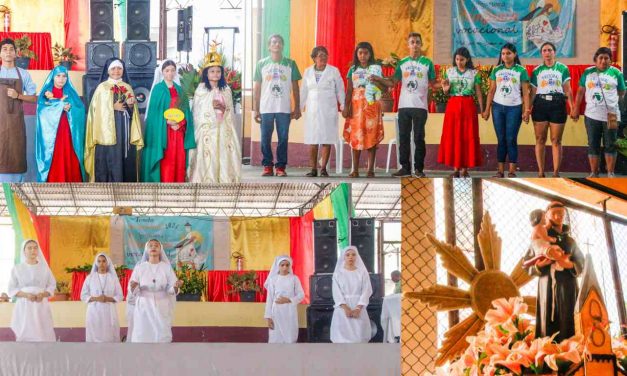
(483, 26)
(186, 240)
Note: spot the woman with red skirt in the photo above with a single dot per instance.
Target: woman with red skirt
(459, 145)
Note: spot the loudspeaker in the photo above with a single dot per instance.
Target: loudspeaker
(319, 323)
(184, 29)
(97, 54)
(90, 83)
(142, 83)
(321, 288)
(362, 237)
(138, 20)
(325, 245)
(101, 12)
(140, 56)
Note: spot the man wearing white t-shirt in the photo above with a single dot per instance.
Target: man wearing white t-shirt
(276, 81)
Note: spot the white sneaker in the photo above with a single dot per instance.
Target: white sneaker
(593, 175)
(611, 175)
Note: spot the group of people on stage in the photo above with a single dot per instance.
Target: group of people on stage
(103, 143)
(152, 291)
(513, 97)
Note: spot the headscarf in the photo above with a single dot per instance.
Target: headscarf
(157, 80)
(114, 61)
(359, 263)
(274, 271)
(164, 259)
(40, 256)
(49, 113)
(110, 266)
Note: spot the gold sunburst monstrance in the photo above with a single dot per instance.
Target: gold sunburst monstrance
(485, 287)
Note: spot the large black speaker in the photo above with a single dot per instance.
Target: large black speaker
(321, 288)
(184, 29)
(141, 83)
(138, 20)
(325, 245)
(362, 237)
(97, 54)
(101, 12)
(90, 83)
(319, 323)
(140, 56)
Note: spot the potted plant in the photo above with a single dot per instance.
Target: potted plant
(387, 101)
(64, 56)
(245, 284)
(62, 292)
(440, 98)
(24, 54)
(194, 282)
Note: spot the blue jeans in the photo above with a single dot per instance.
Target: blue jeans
(507, 120)
(597, 130)
(11, 178)
(267, 128)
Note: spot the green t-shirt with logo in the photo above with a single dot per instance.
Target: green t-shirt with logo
(509, 84)
(276, 84)
(462, 83)
(599, 84)
(550, 80)
(414, 75)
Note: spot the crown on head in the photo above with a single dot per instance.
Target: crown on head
(213, 58)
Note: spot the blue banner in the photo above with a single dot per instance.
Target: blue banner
(188, 240)
(483, 26)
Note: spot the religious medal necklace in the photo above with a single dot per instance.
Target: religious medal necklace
(100, 283)
(154, 273)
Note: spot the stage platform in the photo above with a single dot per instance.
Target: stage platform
(193, 322)
(213, 359)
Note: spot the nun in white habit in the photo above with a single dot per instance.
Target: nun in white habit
(284, 294)
(351, 293)
(31, 284)
(101, 291)
(154, 286)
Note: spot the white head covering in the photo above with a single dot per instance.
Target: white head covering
(114, 64)
(110, 266)
(274, 271)
(40, 256)
(157, 80)
(146, 255)
(359, 263)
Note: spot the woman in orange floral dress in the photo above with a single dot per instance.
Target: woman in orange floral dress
(363, 129)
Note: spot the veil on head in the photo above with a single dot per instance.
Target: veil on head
(359, 263)
(40, 256)
(68, 89)
(274, 271)
(158, 78)
(146, 255)
(110, 266)
(105, 70)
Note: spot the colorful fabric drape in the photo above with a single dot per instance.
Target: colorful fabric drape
(77, 29)
(21, 221)
(339, 198)
(301, 249)
(303, 32)
(78, 279)
(610, 14)
(276, 20)
(217, 288)
(324, 209)
(336, 31)
(42, 228)
(76, 241)
(259, 241)
(386, 25)
(42, 46)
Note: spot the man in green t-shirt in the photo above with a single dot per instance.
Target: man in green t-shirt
(276, 81)
(416, 74)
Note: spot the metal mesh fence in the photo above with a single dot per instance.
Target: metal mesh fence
(509, 206)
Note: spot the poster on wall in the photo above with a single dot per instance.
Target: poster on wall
(185, 240)
(483, 26)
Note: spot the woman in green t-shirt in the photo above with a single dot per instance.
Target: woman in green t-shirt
(508, 98)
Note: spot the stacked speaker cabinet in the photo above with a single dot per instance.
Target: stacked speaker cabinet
(320, 311)
(184, 30)
(138, 52)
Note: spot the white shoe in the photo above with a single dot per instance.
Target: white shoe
(611, 175)
(593, 175)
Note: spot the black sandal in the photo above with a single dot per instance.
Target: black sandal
(324, 173)
(312, 174)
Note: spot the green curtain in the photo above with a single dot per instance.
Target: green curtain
(340, 210)
(276, 20)
(19, 237)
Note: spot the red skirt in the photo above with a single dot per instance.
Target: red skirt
(459, 145)
(64, 167)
